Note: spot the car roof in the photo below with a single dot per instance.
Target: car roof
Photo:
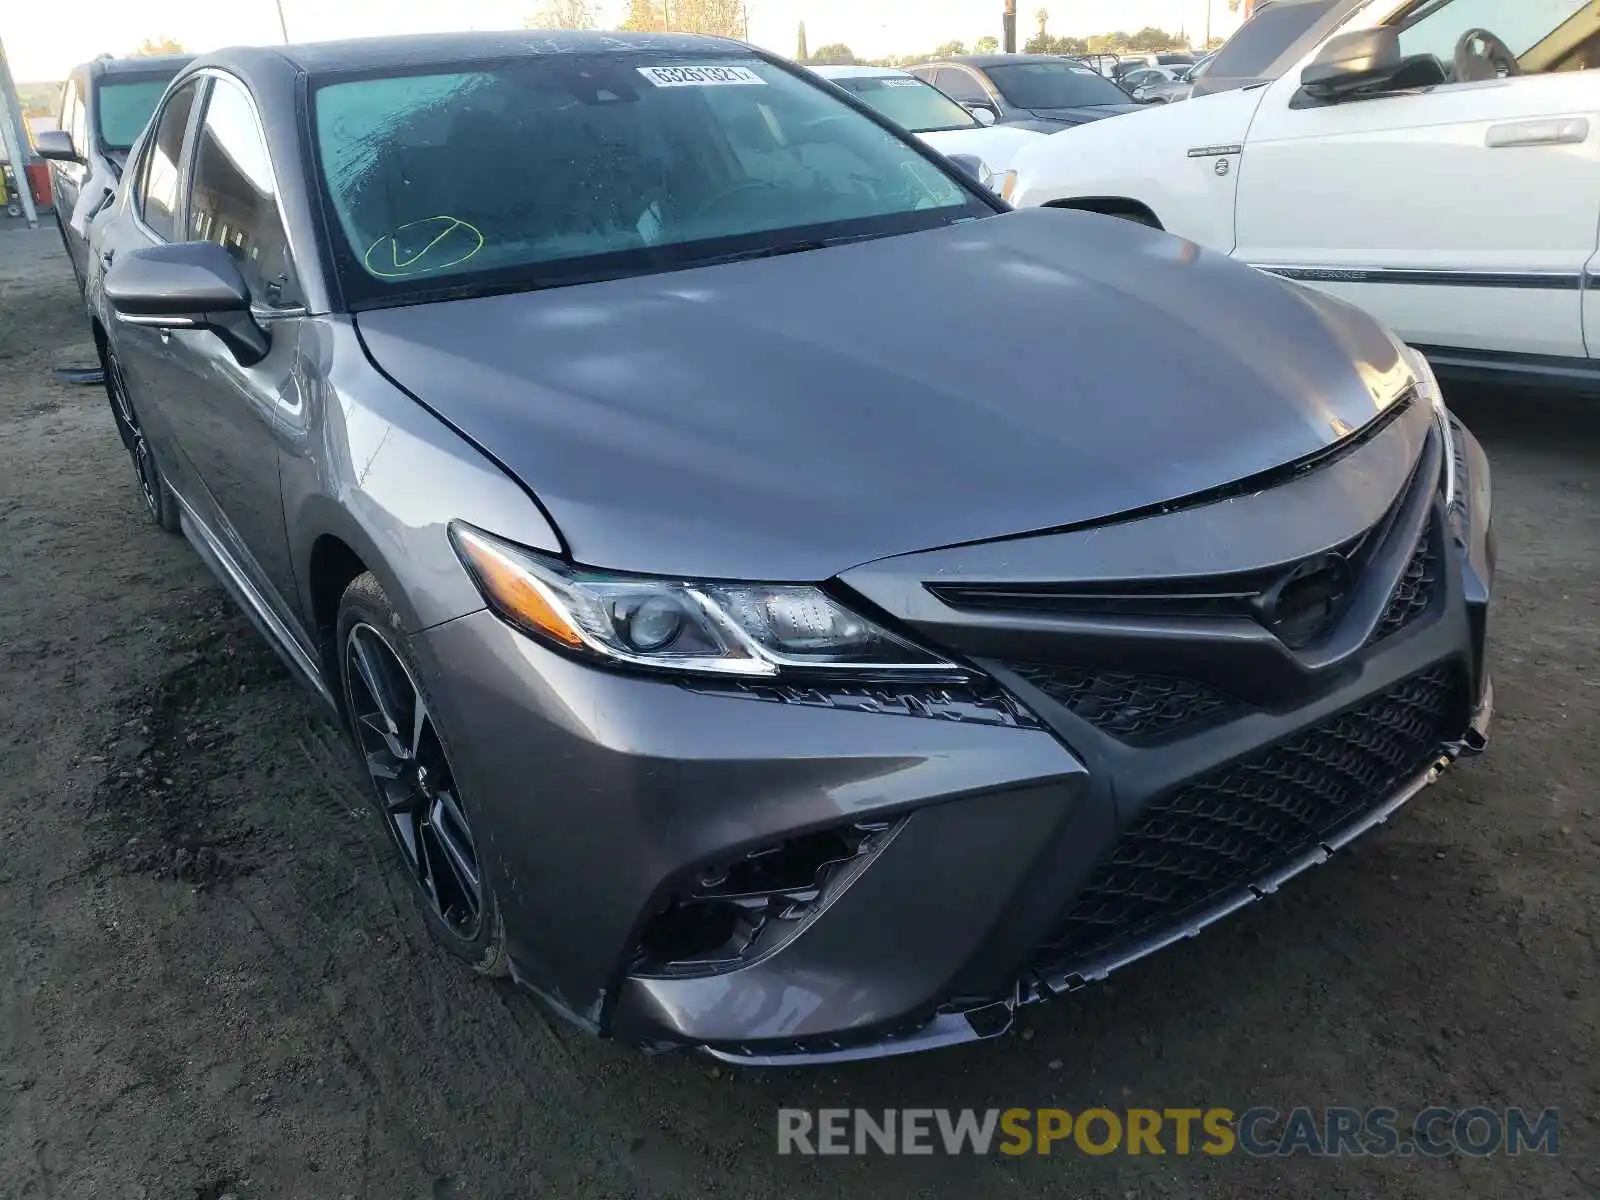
(999, 60)
(143, 65)
(858, 71)
(419, 50)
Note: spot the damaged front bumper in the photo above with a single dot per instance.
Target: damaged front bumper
(893, 870)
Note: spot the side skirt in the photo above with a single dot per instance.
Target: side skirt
(245, 594)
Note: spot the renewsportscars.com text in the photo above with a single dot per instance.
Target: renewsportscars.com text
(1260, 1131)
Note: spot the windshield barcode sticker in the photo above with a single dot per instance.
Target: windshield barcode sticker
(700, 76)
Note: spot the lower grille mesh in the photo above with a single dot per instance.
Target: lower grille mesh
(1413, 595)
(1135, 708)
(1241, 822)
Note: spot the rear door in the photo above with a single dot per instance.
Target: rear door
(1461, 214)
(145, 357)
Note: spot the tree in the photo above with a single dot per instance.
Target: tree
(801, 54)
(986, 45)
(949, 50)
(563, 14)
(1151, 38)
(159, 45)
(1043, 43)
(834, 54)
(645, 16)
(719, 18)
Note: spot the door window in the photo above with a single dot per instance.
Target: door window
(958, 85)
(72, 122)
(158, 176)
(1543, 35)
(233, 199)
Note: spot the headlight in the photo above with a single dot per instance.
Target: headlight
(1001, 183)
(1427, 385)
(746, 629)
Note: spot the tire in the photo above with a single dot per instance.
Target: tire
(160, 505)
(421, 809)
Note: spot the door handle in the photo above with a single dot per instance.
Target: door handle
(1564, 131)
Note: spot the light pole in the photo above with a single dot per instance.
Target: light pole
(283, 26)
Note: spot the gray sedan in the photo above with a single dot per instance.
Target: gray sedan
(744, 650)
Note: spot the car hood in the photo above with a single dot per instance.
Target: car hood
(996, 145)
(1086, 112)
(788, 418)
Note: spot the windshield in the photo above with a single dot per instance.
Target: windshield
(909, 102)
(1054, 85)
(567, 167)
(123, 108)
(1258, 43)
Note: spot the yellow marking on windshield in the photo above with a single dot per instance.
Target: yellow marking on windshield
(408, 265)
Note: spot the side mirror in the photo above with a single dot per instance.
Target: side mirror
(56, 145)
(970, 165)
(982, 111)
(188, 285)
(1350, 62)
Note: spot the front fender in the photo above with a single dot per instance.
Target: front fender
(365, 463)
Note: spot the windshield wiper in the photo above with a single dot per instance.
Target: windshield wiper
(799, 246)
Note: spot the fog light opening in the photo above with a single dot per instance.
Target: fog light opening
(723, 911)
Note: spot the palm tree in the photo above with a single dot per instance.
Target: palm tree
(1043, 16)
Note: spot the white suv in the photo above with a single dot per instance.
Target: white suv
(1435, 161)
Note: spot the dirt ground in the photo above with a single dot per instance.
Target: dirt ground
(212, 981)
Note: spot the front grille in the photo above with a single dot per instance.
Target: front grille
(1236, 825)
(968, 702)
(1413, 595)
(1135, 708)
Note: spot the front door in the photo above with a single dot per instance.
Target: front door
(226, 414)
(1461, 211)
(67, 178)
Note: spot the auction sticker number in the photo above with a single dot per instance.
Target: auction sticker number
(700, 76)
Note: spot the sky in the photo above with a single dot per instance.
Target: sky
(43, 45)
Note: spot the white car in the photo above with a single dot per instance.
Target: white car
(1435, 161)
(937, 120)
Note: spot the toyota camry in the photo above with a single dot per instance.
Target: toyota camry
(750, 647)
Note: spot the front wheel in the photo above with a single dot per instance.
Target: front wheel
(411, 779)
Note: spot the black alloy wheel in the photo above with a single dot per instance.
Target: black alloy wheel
(159, 503)
(411, 776)
(133, 438)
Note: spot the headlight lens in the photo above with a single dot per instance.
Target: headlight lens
(745, 629)
(1001, 183)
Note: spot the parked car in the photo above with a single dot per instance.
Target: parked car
(1136, 81)
(1434, 166)
(969, 136)
(1133, 63)
(1178, 88)
(1043, 92)
(104, 107)
(1278, 34)
(743, 650)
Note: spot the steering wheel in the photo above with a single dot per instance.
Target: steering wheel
(718, 199)
(1481, 55)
